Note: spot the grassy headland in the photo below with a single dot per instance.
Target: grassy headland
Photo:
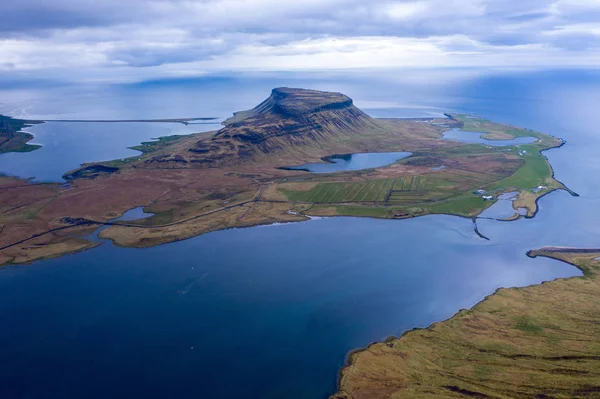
(541, 341)
(12, 139)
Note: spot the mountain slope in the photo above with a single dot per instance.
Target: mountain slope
(288, 119)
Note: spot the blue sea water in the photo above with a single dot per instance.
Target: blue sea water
(272, 311)
(65, 146)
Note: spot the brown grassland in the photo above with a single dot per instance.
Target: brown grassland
(541, 341)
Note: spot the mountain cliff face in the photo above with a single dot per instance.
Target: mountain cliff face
(288, 118)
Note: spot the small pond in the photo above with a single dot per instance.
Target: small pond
(349, 162)
(503, 208)
(475, 137)
(133, 214)
(130, 215)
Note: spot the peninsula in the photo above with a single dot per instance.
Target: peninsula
(12, 138)
(540, 341)
(243, 175)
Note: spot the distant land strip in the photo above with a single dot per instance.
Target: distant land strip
(175, 120)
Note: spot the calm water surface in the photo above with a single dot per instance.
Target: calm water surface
(270, 312)
(65, 146)
(227, 315)
(348, 162)
(134, 214)
(475, 137)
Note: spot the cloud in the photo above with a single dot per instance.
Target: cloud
(116, 40)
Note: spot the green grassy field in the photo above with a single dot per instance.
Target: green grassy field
(145, 147)
(476, 124)
(370, 211)
(440, 190)
(535, 172)
(465, 205)
(159, 143)
(379, 191)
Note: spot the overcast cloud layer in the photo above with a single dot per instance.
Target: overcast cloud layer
(130, 40)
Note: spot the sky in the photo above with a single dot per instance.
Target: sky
(136, 40)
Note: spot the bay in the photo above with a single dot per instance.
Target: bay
(272, 311)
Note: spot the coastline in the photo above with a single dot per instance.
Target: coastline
(398, 191)
(83, 222)
(567, 189)
(14, 137)
(355, 368)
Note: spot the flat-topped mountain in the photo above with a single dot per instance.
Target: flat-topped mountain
(288, 118)
(290, 102)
